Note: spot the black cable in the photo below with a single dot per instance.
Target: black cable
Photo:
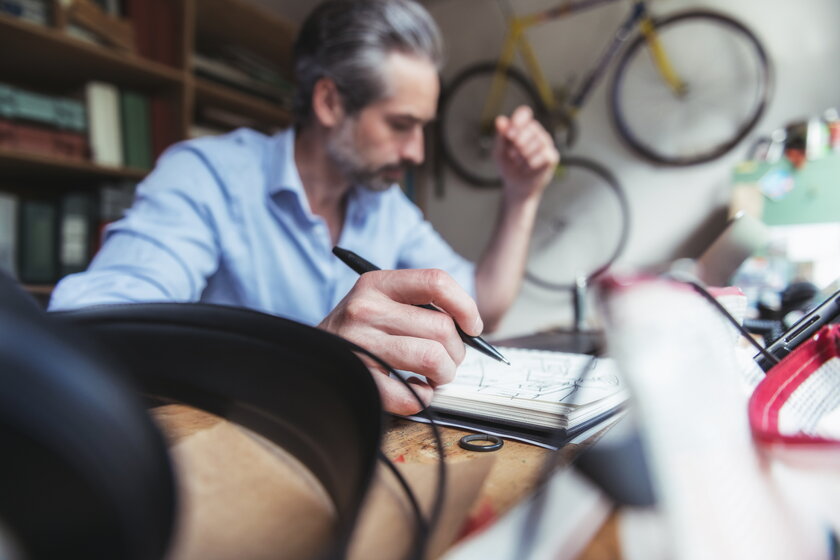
(700, 289)
(421, 538)
(422, 527)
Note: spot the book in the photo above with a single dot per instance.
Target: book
(104, 127)
(543, 397)
(76, 239)
(139, 13)
(165, 124)
(56, 112)
(114, 199)
(108, 28)
(37, 239)
(8, 233)
(35, 11)
(166, 46)
(221, 72)
(42, 140)
(136, 129)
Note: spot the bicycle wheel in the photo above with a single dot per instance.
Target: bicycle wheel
(582, 226)
(467, 145)
(727, 77)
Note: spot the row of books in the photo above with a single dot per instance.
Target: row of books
(35, 139)
(152, 28)
(45, 238)
(120, 126)
(61, 112)
(241, 69)
(112, 126)
(35, 11)
(157, 29)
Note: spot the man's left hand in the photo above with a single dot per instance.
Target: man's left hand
(525, 154)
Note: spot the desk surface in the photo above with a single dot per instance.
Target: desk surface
(513, 475)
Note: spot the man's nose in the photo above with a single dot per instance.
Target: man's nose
(413, 149)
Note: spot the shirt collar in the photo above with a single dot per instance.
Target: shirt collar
(284, 177)
(283, 173)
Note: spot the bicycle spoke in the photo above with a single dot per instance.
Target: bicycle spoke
(580, 225)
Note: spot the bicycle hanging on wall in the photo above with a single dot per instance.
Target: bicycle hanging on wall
(671, 102)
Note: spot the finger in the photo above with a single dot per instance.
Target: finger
(430, 286)
(397, 399)
(538, 161)
(531, 144)
(522, 115)
(417, 355)
(502, 124)
(398, 319)
(521, 119)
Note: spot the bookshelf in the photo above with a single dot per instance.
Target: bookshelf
(39, 169)
(48, 60)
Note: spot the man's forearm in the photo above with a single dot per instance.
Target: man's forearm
(499, 272)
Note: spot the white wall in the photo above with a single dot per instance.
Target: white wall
(669, 206)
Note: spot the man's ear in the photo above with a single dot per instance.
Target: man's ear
(327, 104)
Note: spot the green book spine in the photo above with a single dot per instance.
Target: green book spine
(135, 118)
(37, 256)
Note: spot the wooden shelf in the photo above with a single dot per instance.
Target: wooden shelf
(48, 61)
(39, 289)
(262, 111)
(42, 168)
(45, 56)
(244, 23)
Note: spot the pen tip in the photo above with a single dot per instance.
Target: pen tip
(505, 360)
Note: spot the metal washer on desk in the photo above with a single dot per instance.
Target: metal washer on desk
(495, 442)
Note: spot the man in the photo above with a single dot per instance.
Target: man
(250, 220)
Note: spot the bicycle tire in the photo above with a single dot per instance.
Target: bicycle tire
(465, 147)
(649, 136)
(593, 174)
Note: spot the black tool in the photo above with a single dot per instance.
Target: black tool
(802, 330)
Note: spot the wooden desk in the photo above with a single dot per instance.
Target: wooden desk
(514, 473)
(510, 477)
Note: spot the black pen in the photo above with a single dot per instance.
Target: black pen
(361, 266)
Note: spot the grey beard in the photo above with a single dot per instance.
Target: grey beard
(343, 155)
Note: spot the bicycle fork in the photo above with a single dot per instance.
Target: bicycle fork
(660, 58)
(638, 16)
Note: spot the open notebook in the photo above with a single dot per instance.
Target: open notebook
(543, 397)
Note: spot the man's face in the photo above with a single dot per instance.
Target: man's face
(374, 147)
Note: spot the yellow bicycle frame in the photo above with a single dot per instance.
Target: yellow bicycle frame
(516, 39)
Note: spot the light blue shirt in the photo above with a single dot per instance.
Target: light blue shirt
(225, 220)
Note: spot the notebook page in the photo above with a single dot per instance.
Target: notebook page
(539, 386)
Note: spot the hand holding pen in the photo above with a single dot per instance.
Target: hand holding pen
(380, 314)
(362, 266)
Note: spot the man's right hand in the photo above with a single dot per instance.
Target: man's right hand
(380, 314)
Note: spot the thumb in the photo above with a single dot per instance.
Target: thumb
(502, 124)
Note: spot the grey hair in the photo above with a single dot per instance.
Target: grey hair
(348, 41)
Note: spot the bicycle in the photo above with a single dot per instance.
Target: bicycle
(702, 104)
